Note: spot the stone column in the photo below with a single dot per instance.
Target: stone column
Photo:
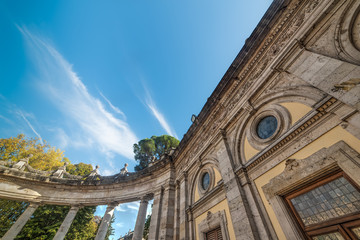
(20, 223)
(190, 224)
(167, 213)
(177, 212)
(64, 228)
(140, 221)
(156, 215)
(105, 222)
(184, 225)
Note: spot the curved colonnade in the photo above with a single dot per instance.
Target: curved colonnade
(45, 188)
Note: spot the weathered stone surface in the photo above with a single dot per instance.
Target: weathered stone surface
(303, 53)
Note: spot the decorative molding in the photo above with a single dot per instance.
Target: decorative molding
(213, 221)
(301, 172)
(347, 47)
(213, 113)
(208, 196)
(321, 111)
(283, 119)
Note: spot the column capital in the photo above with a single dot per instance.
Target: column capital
(112, 205)
(147, 197)
(75, 207)
(34, 204)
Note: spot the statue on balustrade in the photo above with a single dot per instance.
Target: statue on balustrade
(60, 172)
(124, 171)
(21, 164)
(93, 175)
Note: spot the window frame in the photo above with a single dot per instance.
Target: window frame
(217, 230)
(341, 224)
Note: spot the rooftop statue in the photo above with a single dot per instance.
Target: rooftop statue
(93, 175)
(21, 164)
(124, 170)
(61, 170)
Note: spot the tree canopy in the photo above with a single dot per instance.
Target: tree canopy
(155, 146)
(46, 219)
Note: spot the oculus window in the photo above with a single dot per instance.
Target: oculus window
(205, 181)
(266, 127)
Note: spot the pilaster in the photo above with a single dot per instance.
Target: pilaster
(156, 215)
(167, 213)
(242, 219)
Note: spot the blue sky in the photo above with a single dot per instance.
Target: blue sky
(92, 78)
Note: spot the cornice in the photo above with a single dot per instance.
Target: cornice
(278, 25)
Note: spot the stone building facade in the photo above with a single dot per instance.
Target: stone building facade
(274, 153)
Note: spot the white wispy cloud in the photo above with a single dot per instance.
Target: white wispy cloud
(124, 207)
(69, 94)
(120, 208)
(108, 172)
(119, 224)
(116, 109)
(7, 120)
(21, 114)
(149, 209)
(23, 118)
(134, 206)
(157, 114)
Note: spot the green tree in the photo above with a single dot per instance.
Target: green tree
(83, 227)
(44, 223)
(111, 229)
(44, 156)
(155, 146)
(147, 227)
(9, 212)
(46, 219)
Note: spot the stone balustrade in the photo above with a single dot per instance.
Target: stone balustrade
(58, 187)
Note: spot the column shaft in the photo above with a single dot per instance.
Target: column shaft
(64, 228)
(156, 215)
(140, 221)
(177, 212)
(184, 225)
(20, 223)
(105, 222)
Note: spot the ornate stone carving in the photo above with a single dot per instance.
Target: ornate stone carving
(21, 164)
(93, 175)
(60, 172)
(348, 45)
(124, 171)
(213, 220)
(291, 164)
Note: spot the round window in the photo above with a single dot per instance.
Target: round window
(266, 127)
(205, 180)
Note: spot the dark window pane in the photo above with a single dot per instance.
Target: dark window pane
(356, 231)
(329, 236)
(266, 127)
(205, 181)
(316, 206)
